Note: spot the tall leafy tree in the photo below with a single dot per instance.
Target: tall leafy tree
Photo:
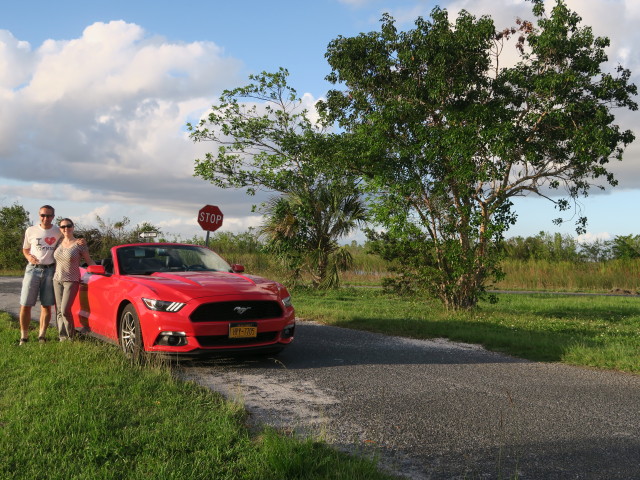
(267, 140)
(448, 131)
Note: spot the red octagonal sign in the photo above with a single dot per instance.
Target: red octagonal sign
(210, 218)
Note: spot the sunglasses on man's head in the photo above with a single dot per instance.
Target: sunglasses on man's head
(46, 214)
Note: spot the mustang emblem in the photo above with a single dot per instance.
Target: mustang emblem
(241, 310)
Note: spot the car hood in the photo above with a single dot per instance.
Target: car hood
(190, 285)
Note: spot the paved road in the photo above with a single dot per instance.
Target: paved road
(10, 297)
(438, 410)
(441, 410)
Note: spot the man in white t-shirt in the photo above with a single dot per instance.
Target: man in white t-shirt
(39, 243)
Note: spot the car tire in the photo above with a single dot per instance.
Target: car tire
(129, 333)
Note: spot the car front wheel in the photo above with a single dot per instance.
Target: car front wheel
(130, 333)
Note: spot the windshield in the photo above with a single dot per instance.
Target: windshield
(148, 259)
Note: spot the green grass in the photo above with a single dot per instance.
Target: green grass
(545, 275)
(80, 410)
(594, 331)
(11, 273)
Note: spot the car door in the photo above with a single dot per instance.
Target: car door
(97, 304)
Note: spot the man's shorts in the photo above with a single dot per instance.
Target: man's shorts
(37, 283)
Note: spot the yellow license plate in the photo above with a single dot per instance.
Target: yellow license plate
(243, 331)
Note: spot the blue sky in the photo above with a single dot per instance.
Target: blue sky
(94, 97)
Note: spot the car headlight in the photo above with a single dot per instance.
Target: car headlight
(286, 301)
(162, 305)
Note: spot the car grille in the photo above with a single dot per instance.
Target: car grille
(224, 341)
(236, 311)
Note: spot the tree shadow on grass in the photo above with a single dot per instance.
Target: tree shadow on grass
(513, 341)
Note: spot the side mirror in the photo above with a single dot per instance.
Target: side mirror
(237, 268)
(97, 269)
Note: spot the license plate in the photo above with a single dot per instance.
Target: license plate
(243, 330)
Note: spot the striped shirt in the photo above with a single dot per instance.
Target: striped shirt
(68, 262)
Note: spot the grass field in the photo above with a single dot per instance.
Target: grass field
(594, 331)
(80, 410)
(610, 276)
(538, 275)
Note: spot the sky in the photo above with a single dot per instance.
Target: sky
(95, 98)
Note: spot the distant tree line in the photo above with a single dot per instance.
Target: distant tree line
(109, 233)
(558, 247)
(14, 220)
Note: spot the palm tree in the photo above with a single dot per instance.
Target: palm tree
(303, 230)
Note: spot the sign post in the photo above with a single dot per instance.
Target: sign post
(150, 235)
(210, 219)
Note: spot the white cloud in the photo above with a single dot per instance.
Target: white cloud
(593, 237)
(14, 63)
(101, 118)
(87, 219)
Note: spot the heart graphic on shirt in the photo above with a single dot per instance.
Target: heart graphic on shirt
(50, 240)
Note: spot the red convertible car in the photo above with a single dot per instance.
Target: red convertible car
(181, 299)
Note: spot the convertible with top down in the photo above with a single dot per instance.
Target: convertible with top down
(181, 299)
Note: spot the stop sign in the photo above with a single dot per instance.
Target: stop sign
(210, 218)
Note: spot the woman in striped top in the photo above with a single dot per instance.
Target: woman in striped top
(66, 279)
